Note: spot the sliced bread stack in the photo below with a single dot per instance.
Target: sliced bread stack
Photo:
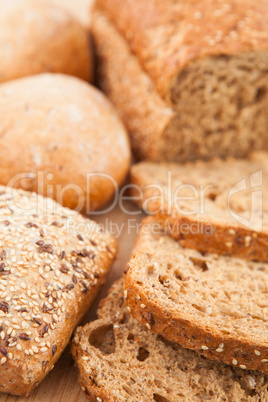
(216, 305)
(194, 323)
(189, 78)
(120, 360)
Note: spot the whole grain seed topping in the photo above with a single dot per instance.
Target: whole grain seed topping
(64, 269)
(31, 308)
(44, 330)
(37, 320)
(24, 336)
(3, 350)
(54, 349)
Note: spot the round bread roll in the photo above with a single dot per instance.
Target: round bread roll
(60, 137)
(37, 36)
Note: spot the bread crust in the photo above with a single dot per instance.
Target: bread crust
(53, 262)
(70, 144)
(166, 370)
(38, 37)
(190, 26)
(214, 113)
(141, 108)
(218, 231)
(199, 332)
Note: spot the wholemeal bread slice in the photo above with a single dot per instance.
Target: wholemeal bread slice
(216, 305)
(194, 82)
(119, 360)
(216, 206)
(53, 262)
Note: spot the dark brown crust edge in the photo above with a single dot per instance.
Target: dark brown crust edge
(90, 389)
(235, 352)
(237, 241)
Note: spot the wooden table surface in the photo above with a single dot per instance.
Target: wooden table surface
(61, 384)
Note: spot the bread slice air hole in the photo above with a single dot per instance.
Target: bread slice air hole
(260, 94)
(160, 398)
(130, 337)
(102, 338)
(178, 275)
(198, 263)
(124, 319)
(129, 391)
(143, 354)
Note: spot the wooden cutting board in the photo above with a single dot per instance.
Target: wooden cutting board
(61, 384)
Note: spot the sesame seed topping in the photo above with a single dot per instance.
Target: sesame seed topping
(85, 358)
(3, 360)
(148, 325)
(204, 347)
(60, 260)
(242, 366)
(257, 353)
(35, 349)
(219, 350)
(143, 306)
(264, 360)
(234, 361)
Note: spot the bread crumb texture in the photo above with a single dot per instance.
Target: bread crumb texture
(214, 304)
(194, 83)
(119, 360)
(217, 206)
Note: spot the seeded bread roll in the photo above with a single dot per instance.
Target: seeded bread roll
(215, 206)
(70, 144)
(194, 82)
(213, 304)
(81, 9)
(38, 36)
(53, 262)
(119, 360)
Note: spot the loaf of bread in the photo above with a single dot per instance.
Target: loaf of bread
(53, 262)
(213, 304)
(60, 137)
(194, 83)
(38, 36)
(215, 206)
(119, 360)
